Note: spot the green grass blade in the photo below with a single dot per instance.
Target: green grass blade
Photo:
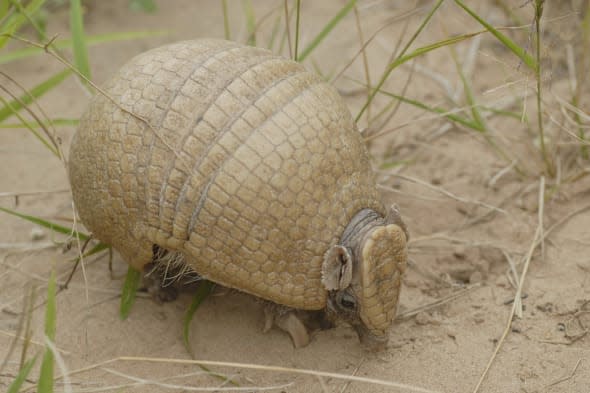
(129, 292)
(36, 21)
(469, 96)
(60, 122)
(297, 23)
(250, 22)
(500, 112)
(45, 383)
(21, 376)
(389, 69)
(37, 135)
(418, 52)
(450, 116)
(226, 28)
(46, 224)
(508, 43)
(35, 92)
(204, 289)
(326, 30)
(79, 40)
(394, 164)
(16, 20)
(428, 48)
(143, 5)
(96, 249)
(274, 33)
(90, 41)
(3, 8)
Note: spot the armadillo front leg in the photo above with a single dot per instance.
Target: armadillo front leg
(299, 324)
(287, 320)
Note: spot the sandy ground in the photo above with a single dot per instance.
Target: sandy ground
(459, 246)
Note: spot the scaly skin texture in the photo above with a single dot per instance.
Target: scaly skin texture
(243, 161)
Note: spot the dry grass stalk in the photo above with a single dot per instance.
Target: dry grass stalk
(260, 367)
(517, 304)
(437, 303)
(450, 194)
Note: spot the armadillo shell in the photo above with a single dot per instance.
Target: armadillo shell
(241, 160)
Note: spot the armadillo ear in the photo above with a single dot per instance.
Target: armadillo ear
(337, 268)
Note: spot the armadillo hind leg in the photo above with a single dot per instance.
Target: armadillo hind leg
(167, 275)
(299, 324)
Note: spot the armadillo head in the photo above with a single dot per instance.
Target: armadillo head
(362, 274)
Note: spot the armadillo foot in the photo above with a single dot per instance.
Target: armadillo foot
(298, 324)
(287, 320)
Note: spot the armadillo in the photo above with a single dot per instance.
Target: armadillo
(249, 167)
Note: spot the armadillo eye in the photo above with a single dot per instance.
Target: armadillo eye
(347, 301)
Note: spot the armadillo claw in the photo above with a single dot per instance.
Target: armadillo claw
(288, 321)
(291, 324)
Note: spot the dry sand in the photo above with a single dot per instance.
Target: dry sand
(457, 247)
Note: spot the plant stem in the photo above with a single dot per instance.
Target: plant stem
(298, 13)
(394, 64)
(538, 14)
(582, 79)
(226, 30)
(288, 30)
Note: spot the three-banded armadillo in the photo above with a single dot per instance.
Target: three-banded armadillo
(248, 166)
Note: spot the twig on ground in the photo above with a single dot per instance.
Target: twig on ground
(32, 193)
(9, 334)
(453, 240)
(322, 384)
(513, 278)
(144, 381)
(27, 246)
(560, 380)
(250, 366)
(492, 182)
(449, 194)
(355, 371)
(517, 297)
(411, 195)
(437, 303)
(19, 328)
(428, 274)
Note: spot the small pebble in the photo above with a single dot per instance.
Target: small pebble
(37, 233)
(546, 307)
(491, 254)
(475, 277)
(452, 334)
(422, 318)
(479, 318)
